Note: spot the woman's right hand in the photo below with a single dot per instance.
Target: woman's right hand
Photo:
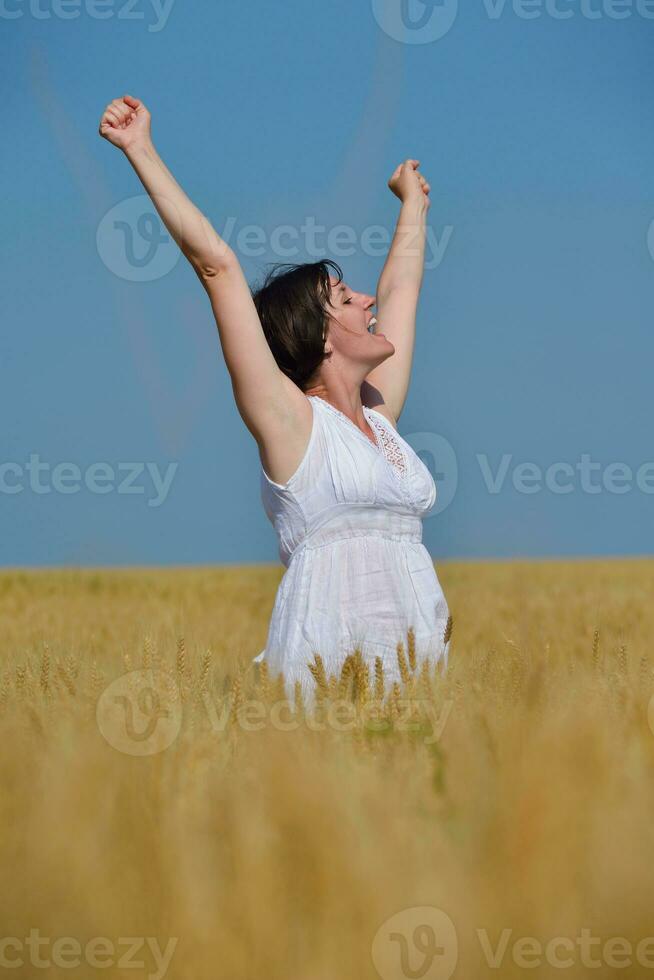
(406, 183)
(125, 122)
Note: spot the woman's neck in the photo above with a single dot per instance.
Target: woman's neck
(343, 396)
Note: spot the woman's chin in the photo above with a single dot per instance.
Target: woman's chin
(380, 350)
(385, 344)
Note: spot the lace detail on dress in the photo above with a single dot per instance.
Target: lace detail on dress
(389, 445)
(386, 443)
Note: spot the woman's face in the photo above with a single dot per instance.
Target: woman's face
(351, 327)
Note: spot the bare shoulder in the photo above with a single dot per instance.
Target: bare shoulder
(283, 433)
(372, 397)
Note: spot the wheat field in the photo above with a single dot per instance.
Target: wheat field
(492, 821)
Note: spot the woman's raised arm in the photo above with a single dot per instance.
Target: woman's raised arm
(267, 400)
(399, 285)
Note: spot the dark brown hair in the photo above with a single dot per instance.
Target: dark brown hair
(292, 306)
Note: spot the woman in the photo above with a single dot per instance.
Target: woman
(320, 382)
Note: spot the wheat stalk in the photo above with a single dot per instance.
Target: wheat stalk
(622, 659)
(394, 702)
(204, 670)
(181, 657)
(424, 680)
(411, 648)
(401, 662)
(297, 697)
(317, 670)
(346, 674)
(644, 671)
(4, 690)
(263, 684)
(379, 678)
(596, 648)
(361, 678)
(68, 684)
(236, 696)
(20, 681)
(97, 679)
(44, 679)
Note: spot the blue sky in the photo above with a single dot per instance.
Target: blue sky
(535, 343)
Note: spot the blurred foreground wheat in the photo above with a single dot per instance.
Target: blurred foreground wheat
(513, 793)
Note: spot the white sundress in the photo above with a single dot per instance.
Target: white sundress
(349, 527)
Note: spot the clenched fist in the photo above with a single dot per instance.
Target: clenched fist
(125, 122)
(406, 182)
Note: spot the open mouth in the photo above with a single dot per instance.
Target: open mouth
(372, 328)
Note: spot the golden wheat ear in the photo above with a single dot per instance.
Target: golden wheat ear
(236, 694)
(401, 663)
(424, 680)
(623, 663)
(449, 626)
(181, 657)
(596, 648)
(361, 678)
(317, 670)
(379, 679)
(644, 670)
(411, 647)
(263, 682)
(333, 687)
(347, 671)
(146, 661)
(44, 679)
(393, 702)
(204, 669)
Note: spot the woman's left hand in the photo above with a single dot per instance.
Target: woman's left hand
(406, 183)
